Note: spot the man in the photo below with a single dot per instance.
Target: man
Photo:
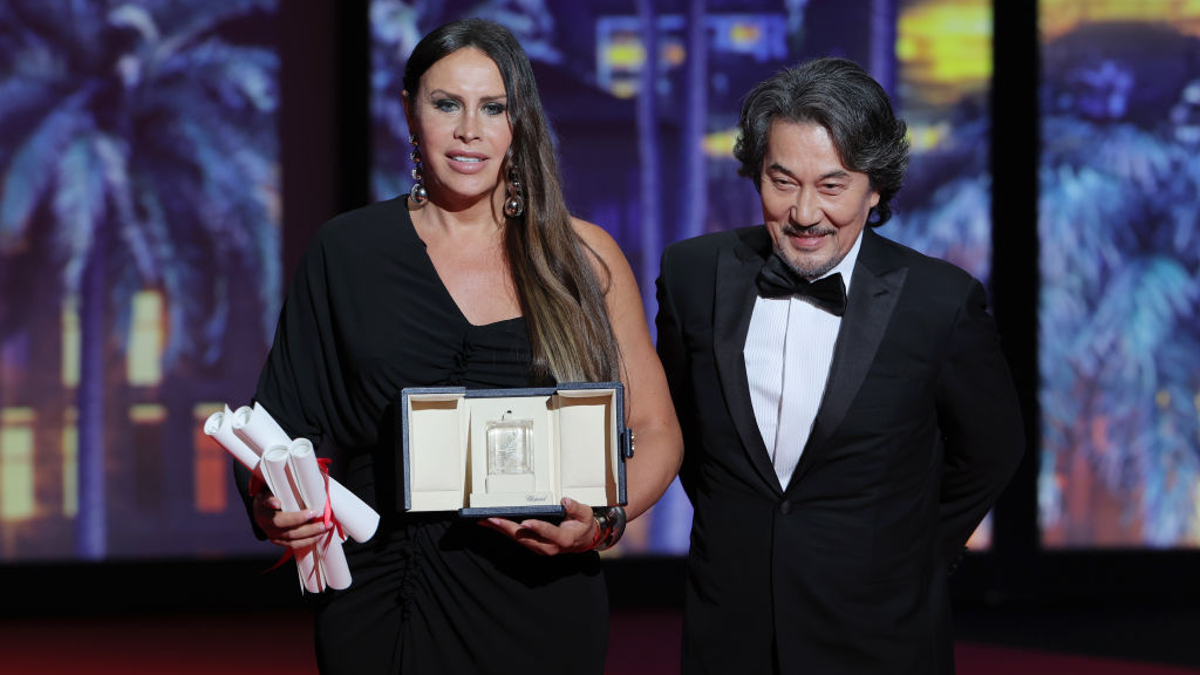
(848, 417)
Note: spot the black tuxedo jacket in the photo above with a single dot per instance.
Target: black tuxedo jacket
(917, 434)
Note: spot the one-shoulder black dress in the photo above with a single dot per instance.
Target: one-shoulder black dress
(365, 316)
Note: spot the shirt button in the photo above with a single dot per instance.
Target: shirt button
(785, 507)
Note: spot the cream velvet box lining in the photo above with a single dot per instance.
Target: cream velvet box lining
(513, 452)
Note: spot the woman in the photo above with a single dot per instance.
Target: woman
(480, 278)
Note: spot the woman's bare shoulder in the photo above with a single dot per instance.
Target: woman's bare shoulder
(598, 239)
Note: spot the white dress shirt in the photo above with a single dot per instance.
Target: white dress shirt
(788, 351)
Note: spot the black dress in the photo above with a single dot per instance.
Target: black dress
(367, 315)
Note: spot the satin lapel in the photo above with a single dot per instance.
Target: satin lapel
(732, 308)
(873, 296)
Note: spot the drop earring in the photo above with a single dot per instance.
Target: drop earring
(417, 194)
(514, 206)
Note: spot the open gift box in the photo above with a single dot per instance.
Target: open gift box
(513, 452)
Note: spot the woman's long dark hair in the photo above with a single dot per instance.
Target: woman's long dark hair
(561, 297)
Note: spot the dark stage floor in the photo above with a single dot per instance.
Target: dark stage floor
(644, 642)
(183, 618)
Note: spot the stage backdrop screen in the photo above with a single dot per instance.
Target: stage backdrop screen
(1119, 202)
(140, 225)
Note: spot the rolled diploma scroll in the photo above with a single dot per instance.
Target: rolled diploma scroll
(219, 425)
(311, 480)
(275, 473)
(260, 430)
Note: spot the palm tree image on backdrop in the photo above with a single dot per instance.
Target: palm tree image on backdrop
(139, 262)
(1118, 332)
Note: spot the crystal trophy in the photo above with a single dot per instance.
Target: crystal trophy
(509, 455)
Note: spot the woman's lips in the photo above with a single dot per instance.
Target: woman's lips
(467, 162)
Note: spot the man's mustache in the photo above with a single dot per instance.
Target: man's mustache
(794, 230)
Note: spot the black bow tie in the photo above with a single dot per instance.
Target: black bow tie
(777, 280)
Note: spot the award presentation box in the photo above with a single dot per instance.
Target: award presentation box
(513, 452)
